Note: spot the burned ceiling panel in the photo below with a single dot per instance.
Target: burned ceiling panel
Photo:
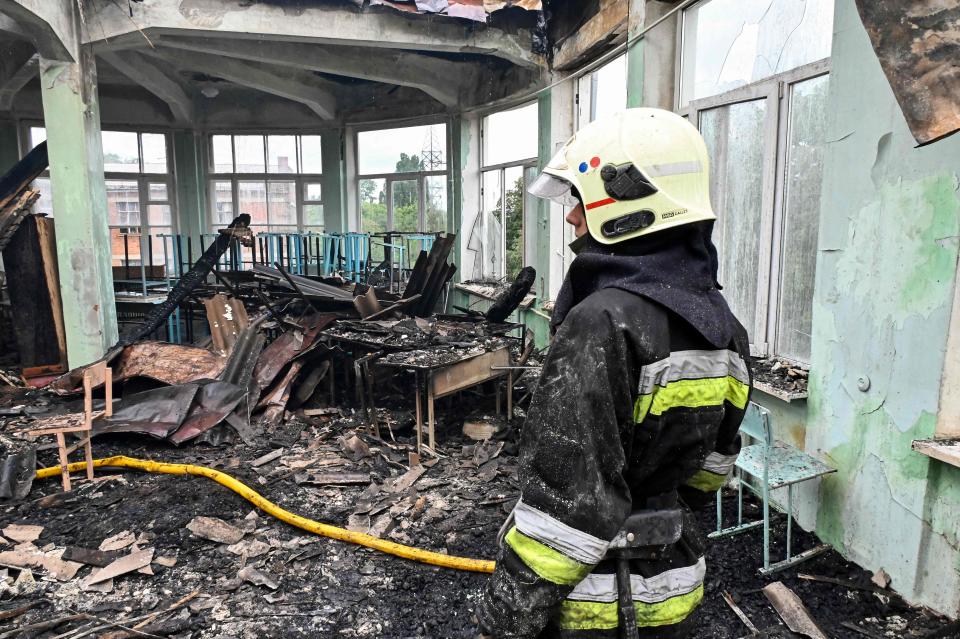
(918, 44)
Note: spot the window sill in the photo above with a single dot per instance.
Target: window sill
(773, 391)
(945, 450)
(488, 292)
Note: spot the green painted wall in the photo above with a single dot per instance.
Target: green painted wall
(9, 147)
(72, 115)
(885, 281)
(334, 182)
(190, 166)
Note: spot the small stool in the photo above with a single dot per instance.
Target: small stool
(95, 375)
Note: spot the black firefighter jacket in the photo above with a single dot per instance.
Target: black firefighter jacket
(632, 404)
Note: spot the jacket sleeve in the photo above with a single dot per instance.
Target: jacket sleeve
(574, 498)
(700, 490)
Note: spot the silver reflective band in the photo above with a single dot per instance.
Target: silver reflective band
(719, 464)
(674, 168)
(693, 365)
(573, 543)
(550, 187)
(671, 583)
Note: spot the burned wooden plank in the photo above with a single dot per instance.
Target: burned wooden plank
(918, 43)
(33, 283)
(23, 173)
(791, 609)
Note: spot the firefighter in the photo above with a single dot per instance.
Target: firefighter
(635, 418)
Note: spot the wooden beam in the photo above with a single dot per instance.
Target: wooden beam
(608, 25)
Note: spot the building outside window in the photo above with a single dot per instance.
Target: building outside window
(139, 186)
(275, 179)
(508, 156)
(754, 79)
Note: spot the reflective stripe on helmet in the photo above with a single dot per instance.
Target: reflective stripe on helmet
(589, 615)
(548, 563)
(576, 544)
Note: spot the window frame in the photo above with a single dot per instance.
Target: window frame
(142, 178)
(523, 164)
(300, 179)
(777, 91)
(389, 178)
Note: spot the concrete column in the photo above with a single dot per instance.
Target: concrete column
(9, 146)
(334, 182)
(351, 199)
(651, 62)
(466, 221)
(190, 175)
(72, 117)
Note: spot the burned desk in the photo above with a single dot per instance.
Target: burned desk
(446, 354)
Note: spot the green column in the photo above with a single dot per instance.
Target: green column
(545, 151)
(190, 173)
(72, 117)
(9, 148)
(334, 182)
(651, 60)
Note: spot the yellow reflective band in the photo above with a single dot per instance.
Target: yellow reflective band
(588, 615)
(706, 481)
(550, 564)
(691, 393)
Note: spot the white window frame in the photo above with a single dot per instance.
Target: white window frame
(300, 179)
(523, 164)
(390, 178)
(776, 90)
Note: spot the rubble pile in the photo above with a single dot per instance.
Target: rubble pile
(780, 374)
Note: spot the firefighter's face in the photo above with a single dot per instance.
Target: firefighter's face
(577, 220)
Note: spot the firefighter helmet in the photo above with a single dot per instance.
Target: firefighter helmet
(637, 171)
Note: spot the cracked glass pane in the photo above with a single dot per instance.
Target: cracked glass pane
(734, 137)
(730, 43)
(808, 122)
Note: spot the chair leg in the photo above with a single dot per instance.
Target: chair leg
(88, 450)
(719, 511)
(739, 498)
(789, 518)
(64, 462)
(766, 526)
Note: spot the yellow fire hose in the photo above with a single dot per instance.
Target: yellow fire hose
(315, 527)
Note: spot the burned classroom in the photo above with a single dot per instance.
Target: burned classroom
(275, 286)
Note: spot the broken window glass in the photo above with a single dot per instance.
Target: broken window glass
(731, 43)
(804, 169)
(735, 143)
(121, 152)
(510, 136)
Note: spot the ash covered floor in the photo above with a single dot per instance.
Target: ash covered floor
(277, 581)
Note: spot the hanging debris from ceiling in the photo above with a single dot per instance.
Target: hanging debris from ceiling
(477, 10)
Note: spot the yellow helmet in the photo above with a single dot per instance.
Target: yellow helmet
(637, 172)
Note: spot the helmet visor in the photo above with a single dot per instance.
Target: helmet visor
(550, 187)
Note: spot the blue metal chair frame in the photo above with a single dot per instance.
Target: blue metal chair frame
(775, 465)
(356, 252)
